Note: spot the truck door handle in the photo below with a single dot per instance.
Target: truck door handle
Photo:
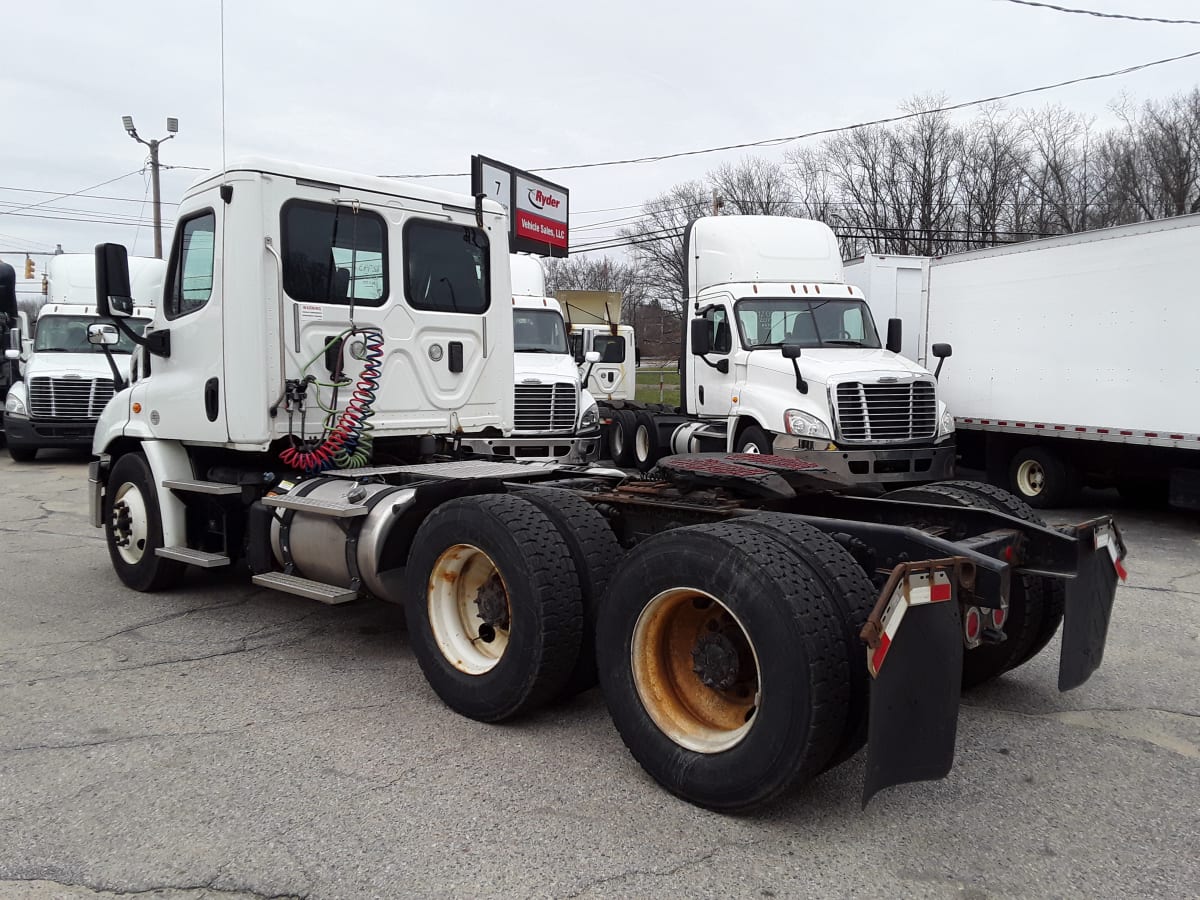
(212, 399)
(456, 356)
(700, 393)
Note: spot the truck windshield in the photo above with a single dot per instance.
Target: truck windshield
(68, 334)
(774, 321)
(538, 331)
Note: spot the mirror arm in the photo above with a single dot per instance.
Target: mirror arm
(938, 370)
(801, 384)
(118, 382)
(157, 342)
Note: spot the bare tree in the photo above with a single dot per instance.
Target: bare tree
(599, 273)
(990, 176)
(1063, 171)
(753, 186)
(656, 242)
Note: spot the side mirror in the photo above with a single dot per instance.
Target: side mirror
(102, 333)
(14, 339)
(791, 351)
(113, 296)
(699, 337)
(591, 357)
(10, 353)
(941, 351)
(895, 338)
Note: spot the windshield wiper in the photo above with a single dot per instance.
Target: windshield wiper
(841, 342)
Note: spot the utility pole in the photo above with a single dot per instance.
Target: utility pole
(172, 130)
(718, 203)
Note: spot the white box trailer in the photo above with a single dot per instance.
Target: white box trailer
(1074, 360)
(893, 284)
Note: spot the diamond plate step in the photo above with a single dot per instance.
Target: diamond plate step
(202, 487)
(194, 557)
(304, 587)
(331, 508)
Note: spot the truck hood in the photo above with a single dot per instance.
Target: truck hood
(545, 367)
(81, 365)
(826, 364)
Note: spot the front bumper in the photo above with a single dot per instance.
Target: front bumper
(564, 448)
(903, 465)
(41, 433)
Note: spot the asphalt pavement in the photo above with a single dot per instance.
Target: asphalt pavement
(224, 741)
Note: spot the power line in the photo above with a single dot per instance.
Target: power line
(81, 196)
(771, 142)
(11, 212)
(1104, 15)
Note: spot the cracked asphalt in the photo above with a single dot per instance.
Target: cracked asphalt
(224, 741)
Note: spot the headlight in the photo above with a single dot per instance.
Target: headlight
(946, 424)
(14, 407)
(802, 424)
(590, 418)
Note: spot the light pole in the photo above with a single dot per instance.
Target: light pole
(172, 130)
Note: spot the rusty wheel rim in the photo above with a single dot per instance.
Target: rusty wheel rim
(696, 671)
(470, 613)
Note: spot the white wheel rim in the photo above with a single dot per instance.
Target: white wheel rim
(751, 448)
(618, 440)
(689, 711)
(641, 443)
(1031, 478)
(131, 523)
(467, 641)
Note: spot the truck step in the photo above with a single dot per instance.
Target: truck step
(304, 587)
(194, 557)
(330, 508)
(201, 487)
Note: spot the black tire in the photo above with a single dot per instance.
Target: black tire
(647, 448)
(796, 639)
(620, 439)
(1026, 595)
(853, 596)
(539, 584)
(754, 440)
(21, 453)
(596, 554)
(130, 483)
(1042, 478)
(1050, 591)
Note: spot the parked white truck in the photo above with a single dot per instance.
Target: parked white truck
(593, 319)
(782, 356)
(556, 418)
(66, 381)
(312, 318)
(1074, 364)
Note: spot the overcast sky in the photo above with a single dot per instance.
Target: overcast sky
(405, 87)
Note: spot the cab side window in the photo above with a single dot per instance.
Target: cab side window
(190, 279)
(610, 347)
(720, 337)
(334, 253)
(446, 267)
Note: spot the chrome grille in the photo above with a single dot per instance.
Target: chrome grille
(68, 398)
(886, 412)
(542, 408)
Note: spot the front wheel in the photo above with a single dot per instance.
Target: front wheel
(1041, 478)
(754, 440)
(133, 527)
(21, 453)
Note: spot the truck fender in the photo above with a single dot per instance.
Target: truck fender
(169, 461)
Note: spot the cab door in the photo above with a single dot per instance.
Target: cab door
(714, 389)
(181, 395)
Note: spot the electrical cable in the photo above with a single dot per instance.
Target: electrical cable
(1104, 15)
(11, 212)
(772, 142)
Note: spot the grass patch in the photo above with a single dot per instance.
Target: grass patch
(658, 386)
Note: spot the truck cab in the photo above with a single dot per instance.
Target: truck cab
(555, 418)
(66, 380)
(785, 356)
(593, 319)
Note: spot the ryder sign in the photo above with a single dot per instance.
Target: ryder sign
(537, 209)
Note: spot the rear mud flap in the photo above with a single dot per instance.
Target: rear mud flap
(1089, 602)
(914, 698)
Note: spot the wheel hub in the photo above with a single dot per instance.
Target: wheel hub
(122, 523)
(715, 661)
(492, 602)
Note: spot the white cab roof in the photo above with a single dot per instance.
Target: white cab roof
(779, 249)
(528, 276)
(72, 279)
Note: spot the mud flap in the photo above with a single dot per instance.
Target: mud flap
(1089, 602)
(914, 696)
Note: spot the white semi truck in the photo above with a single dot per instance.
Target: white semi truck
(593, 318)
(66, 381)
(742, 614)
(1075, 364)
(555, 417)
(782, 356)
